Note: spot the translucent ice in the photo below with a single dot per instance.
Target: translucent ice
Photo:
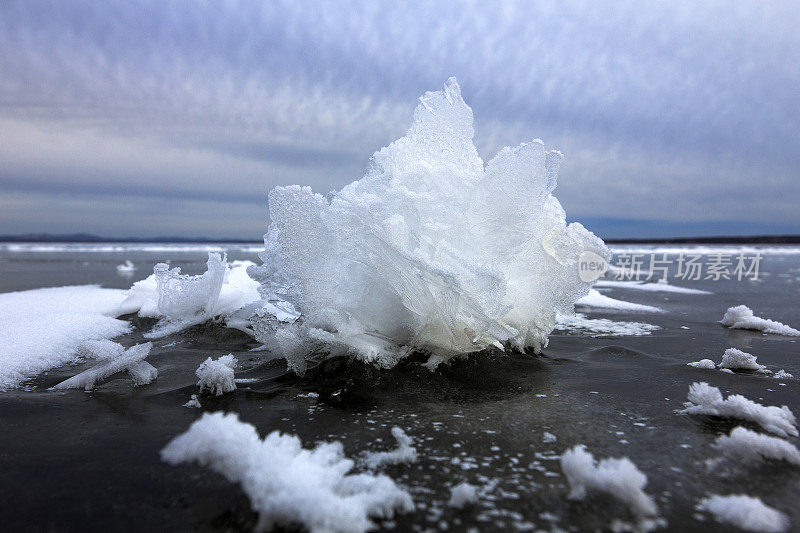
(286, 483)
(431, 249)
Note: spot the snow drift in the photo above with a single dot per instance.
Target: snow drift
(431, 249)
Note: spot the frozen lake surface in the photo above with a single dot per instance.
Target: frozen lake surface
(75, 459)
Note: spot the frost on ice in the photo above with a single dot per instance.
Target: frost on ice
(431, 249)
(742, 317)
(286, 483)
(707, 400)
(753, 447)
(216, 375)
(618, 477)
(405, 453)
(745, 512)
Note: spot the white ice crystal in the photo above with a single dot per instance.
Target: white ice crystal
(193, 403)
(753, 447)
(462, 495)
(782, 374)
(745, 512)
(126, 268)
(705, 364)
(230, 302)
(286, 483)
(431, 249)
(216, 376)
(405, 453)
(548, 438)
(618, 477)
(739, 360)
(742, 317)
(128, 359)
(142, 373)
(707, 400)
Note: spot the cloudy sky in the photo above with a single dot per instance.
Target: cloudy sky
(176, 118)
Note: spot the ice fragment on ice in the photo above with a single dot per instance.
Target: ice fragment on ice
(404, 453)
(742, 317)
(217, 376)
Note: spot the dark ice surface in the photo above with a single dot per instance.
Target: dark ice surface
(78, 460)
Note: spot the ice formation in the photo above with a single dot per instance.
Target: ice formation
(602, 326)
(179, 301)
(431, 249)
(193, 403)
(742, 317)
(706, 364)
(142, 373)
(548, 438)
(43, 328)
(739, 360)
(287, 484)
(126, 268)
(782, 374)
(745, 512)
(752, 447)
(405, 453)
(595, 299)
(618, 477)
(216, 376)
(127, 360)
(462, 495)
(707, 400)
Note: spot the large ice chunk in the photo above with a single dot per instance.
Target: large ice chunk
(431, 249)
(286, 483)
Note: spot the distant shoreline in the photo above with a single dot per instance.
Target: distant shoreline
(88, 238)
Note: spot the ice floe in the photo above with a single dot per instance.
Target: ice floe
(707, 400)
(618, 477)
(745, 512)
(216, 376)
(287, 484)
(742, 317)
(431, 249)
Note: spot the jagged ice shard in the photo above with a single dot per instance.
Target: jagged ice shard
(430, 250)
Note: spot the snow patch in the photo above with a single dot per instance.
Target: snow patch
(286, 483)
(742, 317)
(405, 453)
(601, 301)
(748, 513)
(739, 360)
(618, 477)
(752, 447)
(706, 364)
(602, 326)
(707, 400)
(462, 495)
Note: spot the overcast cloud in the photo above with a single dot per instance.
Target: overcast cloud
(176, 118)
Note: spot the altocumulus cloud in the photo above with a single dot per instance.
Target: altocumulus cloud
(678, 111)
